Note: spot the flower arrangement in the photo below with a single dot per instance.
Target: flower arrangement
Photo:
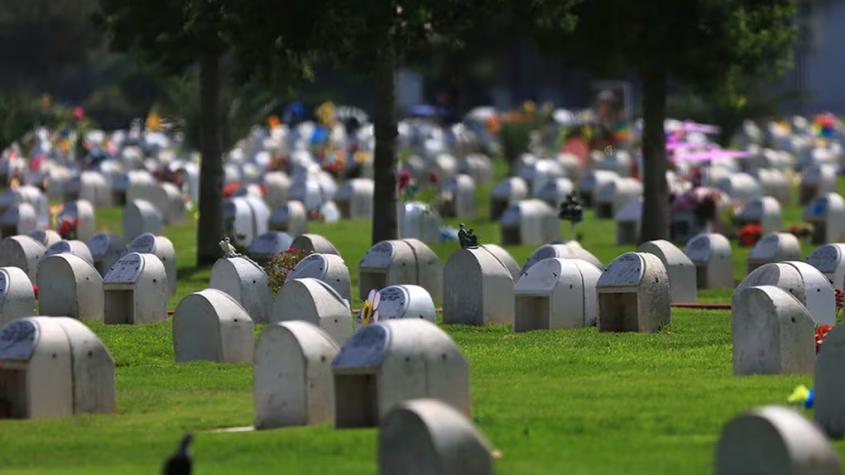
(750, 234)
(67, 228)
(801, 230)
(230, 189)
(280, 266)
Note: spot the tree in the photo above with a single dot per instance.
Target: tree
(700, 44)
(175, 35)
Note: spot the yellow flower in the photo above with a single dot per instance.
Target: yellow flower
(153, 121)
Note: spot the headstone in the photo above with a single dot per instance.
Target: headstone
(556, 293)
(457, 197)
(510, 190)
(682, 274)
(22, 252)
(314, 243)
(827, 215)
(355, 198)
(135, 290)
(54, 367)
(478, 166)
(403, 261)
(554, 192)
(615, 194)
(306, 190)
(505, 258)
(316, 302)
(405, 301)
(18, 219)
(47, 237)
(162, 248)
(530, 222)
(418, 221)
(802, 281)
(290, 217)
(542, 172)
(80, 215)
(592, 182)
(75, 247)
(634, 294)
(390, 362)
(90, 186)
(428, 436)
(773, 247)
(69, 286)
(292, 376)
(774, 183)
(139, 217)
(210, 325)
(774, 440)
(565, 250)
(106, 249)
(276, 186)
(628, 222)
(34, 196)
(246, 282)
(17, 298)
(329, 268)
(830, 261)
(741, 187)
(477, 288)
(772, 332)
(764, 211)
(818, 180)
(268, 245)
(711, 254)
(175, 209)
(829, 384)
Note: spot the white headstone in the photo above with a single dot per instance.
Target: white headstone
(531, 222)
(139, 217)
(830, 261)
(314, 301)
(457, 197)
(711, 254)
(556, 293)
(510, 190)
(681, 270)
(18, 219)
(211, 325)
(314, 243)
(290, 217)
(354, 198)
(827, 215)
(22, 252)
(634, 294)
(17, 298)
(246, 282)
(268, 245)
(802, 281)
(404, 261)
(764, 211)
(135, 290)
(329, 268)
(162, 248)
(69, 286)
(106, 249)
(628, 222)
(477, 288)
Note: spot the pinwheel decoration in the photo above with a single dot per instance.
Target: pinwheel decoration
(369, 308)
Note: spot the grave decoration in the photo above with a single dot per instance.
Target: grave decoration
(403, 261)
(69, 286)
(269, 244)
(390, 362)
(211, 325)
(453, 446)
(802, 281)
(829, 384)
(314, 243)
(764, 211)
(139, 217)
(399, 302)
(135, 290)
(46, 237)
(457, 197)
(328, 268)
(571, 210)
(830, 261)
(17, 296)
(628, 222)
(773, 247)
(162, 248)
(292, 376)
(556, 293)
(478, 286)
(634, 294)
(826, 214)
(681, 270)
(53, 367)
(75, 220)
(774, 440)
(290, 217)
(246, 282)
(510, 190)
(772, 332)
(566, 250)
(106, 249)
(314, 301)
(711, 254)
(18, 219)
(22, 252)
(531, 222)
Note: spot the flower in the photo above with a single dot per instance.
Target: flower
(35, 290)
(433, 177)
(821, 333)
(67, 228)
(840, 298)
(404, 179)
(750, 234)
(231, 188)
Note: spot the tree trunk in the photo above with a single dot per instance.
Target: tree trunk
(655, 216)
(385, 221)
(210, 230)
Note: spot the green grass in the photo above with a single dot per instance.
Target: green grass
(571, 402)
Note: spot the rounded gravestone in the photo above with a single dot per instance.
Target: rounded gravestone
(211, 325)
(17, 298)
(329, 268)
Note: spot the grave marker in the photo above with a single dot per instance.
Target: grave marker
(531, 222)
(139, 217)
(556, 293)
(681, 270)
(802, 281)
(830, 261)
(403, 261)
(211, 325)
(17, 298)
(628, 220)
(711, 254)
(764, 211)
(633, 294)
(162, 248)
(22, 252)
(135, 290)
(246, 282)
(106, 249)
(69, 286)
(316, 302)
(18, 219)
(290, 217)
(827, 215)
(510, 190)
(477, 287)
(355, 198)
(314, 243)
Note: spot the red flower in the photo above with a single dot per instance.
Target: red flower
(231, 188)
(750, 234)
(840, 298)
(35, 290)
(821, 333)
(433, 177)
(404, 179)
(67, 228)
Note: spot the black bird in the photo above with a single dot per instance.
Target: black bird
(467, 238)
(180, 462)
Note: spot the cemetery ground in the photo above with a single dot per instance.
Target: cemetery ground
(564, 401)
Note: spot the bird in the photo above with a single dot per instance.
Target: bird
(180, 462)
(227, 248)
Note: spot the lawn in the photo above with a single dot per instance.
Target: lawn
(572, 401)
